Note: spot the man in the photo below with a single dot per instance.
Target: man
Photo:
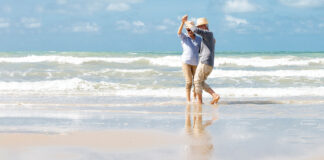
(206, 64)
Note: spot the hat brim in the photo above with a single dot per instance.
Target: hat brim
(201, 24)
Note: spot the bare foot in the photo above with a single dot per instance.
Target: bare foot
(197, 102)
(194, 99)
(194, 96)
(215, 99)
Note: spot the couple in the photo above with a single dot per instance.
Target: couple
(192, 46)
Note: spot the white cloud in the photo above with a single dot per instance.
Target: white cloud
(119, 7)
(31, 23)
(39, 9)
(138, 24)
(6, 9)
(166, 24)
(123, 25)
(239, 25)
(93, 6)
(234, 22)
(161, 27)
(139, 27)
(86, 27)
(300, 30)
(321, 25)
(61, 2)
(308, 26)
(135, 26)
(303, 3)
(232, 6)
(4, 23)
(168, 21)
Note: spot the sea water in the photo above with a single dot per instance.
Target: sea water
(271, 102)
(235, 75)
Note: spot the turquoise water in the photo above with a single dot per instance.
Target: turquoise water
(225, 53)
(235, 75)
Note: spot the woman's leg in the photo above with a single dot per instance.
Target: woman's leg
(188, 77)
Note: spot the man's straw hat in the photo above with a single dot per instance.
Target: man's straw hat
(201, 21)
(189, 24)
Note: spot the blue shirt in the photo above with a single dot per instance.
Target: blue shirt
(190, 49)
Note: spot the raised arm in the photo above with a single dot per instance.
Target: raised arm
(183, 20)
(201, 32)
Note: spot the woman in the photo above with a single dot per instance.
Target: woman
(191, 46)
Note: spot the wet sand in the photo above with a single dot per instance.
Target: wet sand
(108, 140)
(229, 131)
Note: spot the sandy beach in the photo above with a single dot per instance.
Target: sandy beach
(164, 131)
(107, 140)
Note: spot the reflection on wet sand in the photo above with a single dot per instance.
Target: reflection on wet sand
(199, 144)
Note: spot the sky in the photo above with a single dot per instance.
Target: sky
(151, 25)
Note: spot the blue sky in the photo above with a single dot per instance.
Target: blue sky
(151, 25)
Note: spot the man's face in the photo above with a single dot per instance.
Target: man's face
(203, 27)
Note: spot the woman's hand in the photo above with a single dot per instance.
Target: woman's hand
(183, 21)
(184, 18)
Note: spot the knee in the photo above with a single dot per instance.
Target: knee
(198, 90)
(196, 82)
(188, 85)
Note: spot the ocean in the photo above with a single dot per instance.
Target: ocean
(236, 75)
(271, 104)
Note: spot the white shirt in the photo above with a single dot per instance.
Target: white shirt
(190, 49)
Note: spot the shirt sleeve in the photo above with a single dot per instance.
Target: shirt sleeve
(199, 45)
(201, 32)
(181, 36)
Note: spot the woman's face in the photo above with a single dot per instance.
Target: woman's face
(189, 32)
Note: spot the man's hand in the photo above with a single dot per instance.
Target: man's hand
(184, 18)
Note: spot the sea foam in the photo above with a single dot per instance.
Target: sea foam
(79, 86)
(277, 73)
(171, 61)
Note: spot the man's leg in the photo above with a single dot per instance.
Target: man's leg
(198, 81)
(206, 87)
(193, 70)
(199, 95)
(215, 96)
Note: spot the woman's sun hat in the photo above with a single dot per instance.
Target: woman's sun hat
(202, 21)
(189, 24)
